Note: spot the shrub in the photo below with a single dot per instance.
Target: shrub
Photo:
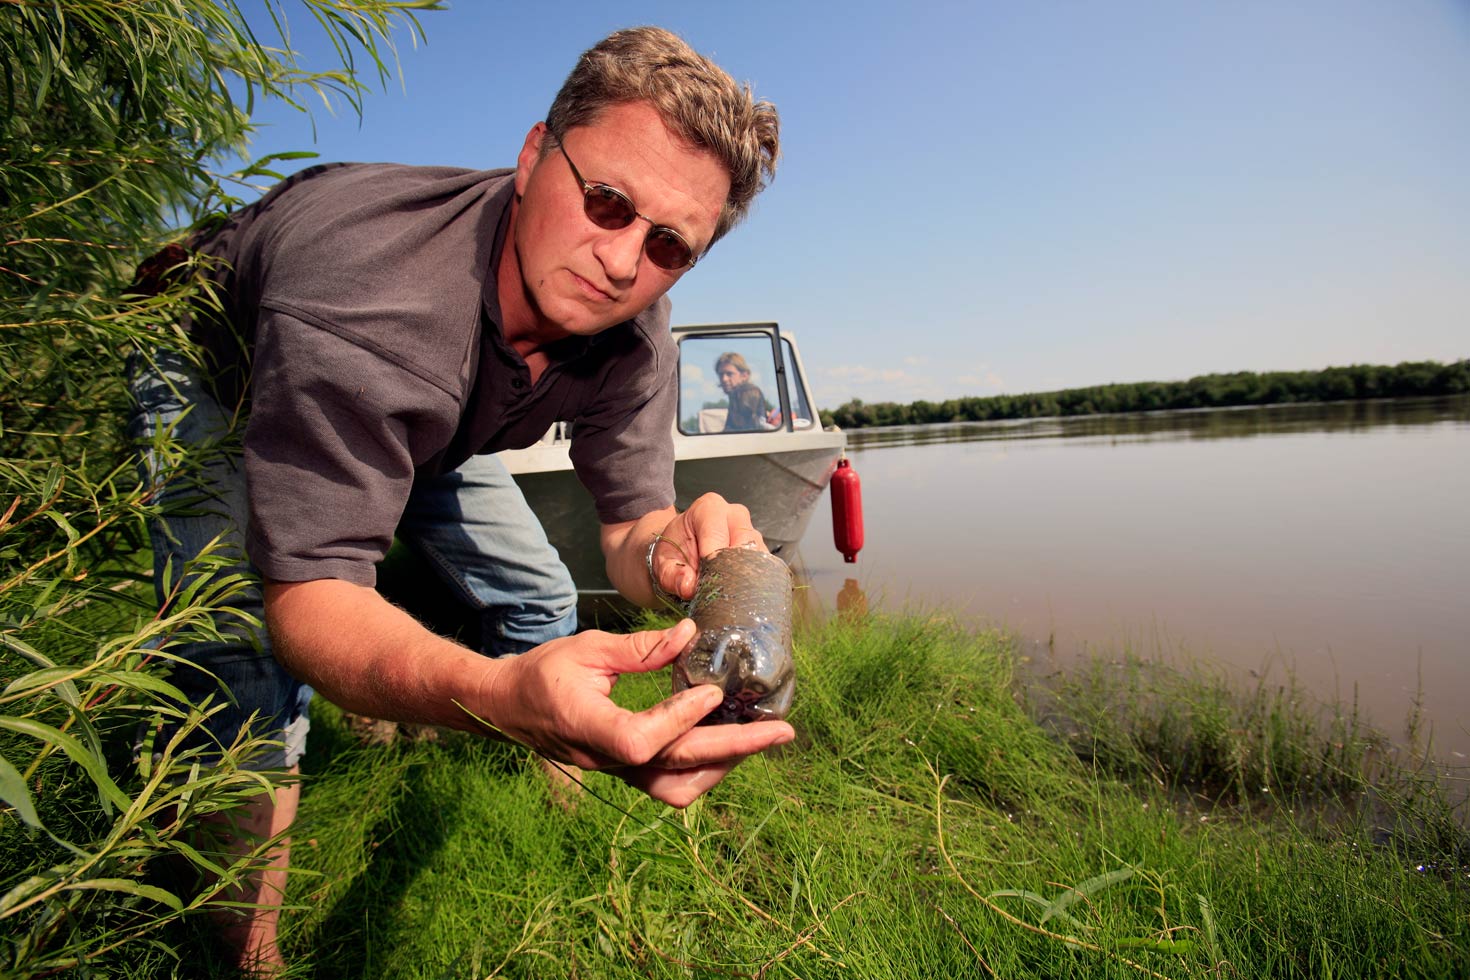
(115, 114)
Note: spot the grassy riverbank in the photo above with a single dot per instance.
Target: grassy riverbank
(923, 825)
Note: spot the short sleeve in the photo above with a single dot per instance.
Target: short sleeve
(334, 434)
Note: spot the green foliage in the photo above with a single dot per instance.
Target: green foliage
(112, 115)
(1192, 727)
(1358, 381)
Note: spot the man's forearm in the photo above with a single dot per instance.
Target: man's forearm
(625, 547)
(367, 656)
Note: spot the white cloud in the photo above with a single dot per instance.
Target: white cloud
(982, 382)
(840, 383)
(862, 374)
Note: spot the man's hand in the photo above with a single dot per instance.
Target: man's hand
(368, 656)
(679, 541)
(710, 523)
(555, 699)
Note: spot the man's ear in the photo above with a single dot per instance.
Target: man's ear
(529, 156)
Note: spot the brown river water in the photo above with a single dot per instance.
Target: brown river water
(1328, 541)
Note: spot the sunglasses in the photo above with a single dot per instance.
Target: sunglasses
(607, 207)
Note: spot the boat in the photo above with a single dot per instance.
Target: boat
(778, 469)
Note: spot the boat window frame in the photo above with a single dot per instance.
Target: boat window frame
(743, 331)
(797, 376)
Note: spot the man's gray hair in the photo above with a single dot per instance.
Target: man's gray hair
(696, 99)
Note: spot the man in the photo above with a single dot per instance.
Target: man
(387, 326)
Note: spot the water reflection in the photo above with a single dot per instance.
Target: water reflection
(1328, 539)
(1205, 423)
(852, 601)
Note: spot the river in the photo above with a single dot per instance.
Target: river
(1327, 540)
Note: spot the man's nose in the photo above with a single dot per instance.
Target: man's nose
(620, 251)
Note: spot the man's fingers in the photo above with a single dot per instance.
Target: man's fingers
(649, 649)
(707, 744)
(686, 581)
(674, 780)
(631, 738)
(747, 535)
(668, 735)
(672, 558)
(716, 523)
(676, 787)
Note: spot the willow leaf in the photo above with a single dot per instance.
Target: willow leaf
(1086, 889)
(58, 679)
(139, 680)
(92, 764)
(130, 887)
(16, 794)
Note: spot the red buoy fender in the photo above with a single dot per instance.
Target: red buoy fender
(847, 510)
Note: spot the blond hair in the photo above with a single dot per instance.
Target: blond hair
(696, 99)
(730, 357)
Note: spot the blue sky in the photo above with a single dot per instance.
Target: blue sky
(977, 198)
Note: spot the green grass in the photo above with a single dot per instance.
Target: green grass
(922, 825)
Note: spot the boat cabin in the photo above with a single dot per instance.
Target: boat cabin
(753, 437)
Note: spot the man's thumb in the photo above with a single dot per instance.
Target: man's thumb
(652, 649)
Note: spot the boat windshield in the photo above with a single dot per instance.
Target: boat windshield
(729, 383)
(801, 410)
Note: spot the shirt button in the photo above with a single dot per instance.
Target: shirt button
(517, 383)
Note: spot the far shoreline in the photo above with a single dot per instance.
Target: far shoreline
(1240, 389)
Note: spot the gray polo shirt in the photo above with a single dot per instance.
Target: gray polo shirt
(359, 314)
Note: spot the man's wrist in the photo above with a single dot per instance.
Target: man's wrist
(660, 594)
(483, 716)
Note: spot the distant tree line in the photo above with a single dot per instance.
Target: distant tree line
(1206, 391)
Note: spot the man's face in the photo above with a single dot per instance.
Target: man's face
(731, 377)
(579, 278)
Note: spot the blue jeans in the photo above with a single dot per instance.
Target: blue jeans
(472, 525)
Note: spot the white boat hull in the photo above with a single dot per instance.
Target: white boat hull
(779, 476)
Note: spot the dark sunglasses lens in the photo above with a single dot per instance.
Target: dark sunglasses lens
(607, 208)
(667, 250)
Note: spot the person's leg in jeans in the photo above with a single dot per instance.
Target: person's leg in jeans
(204, 498)
(477, 531)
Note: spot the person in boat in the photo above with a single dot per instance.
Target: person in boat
(381, 330)
(747, 410)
